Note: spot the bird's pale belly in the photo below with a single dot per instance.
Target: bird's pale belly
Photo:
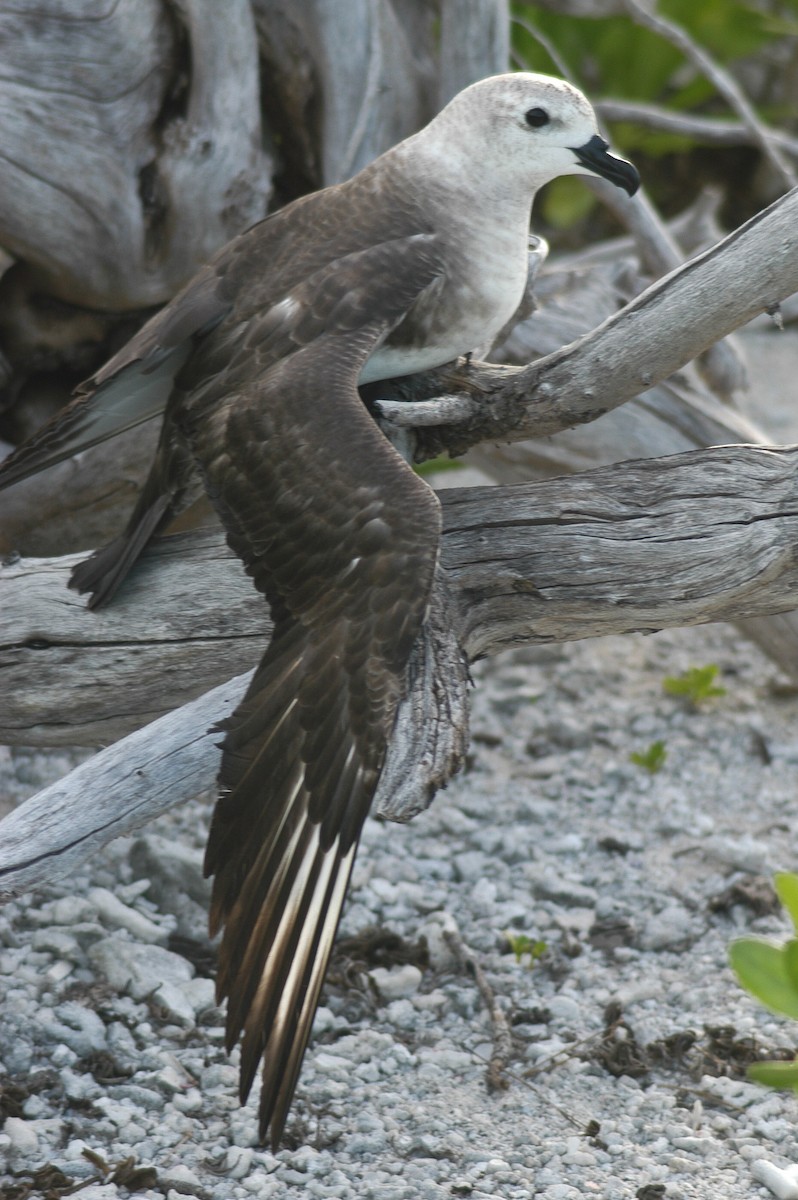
(456, 320)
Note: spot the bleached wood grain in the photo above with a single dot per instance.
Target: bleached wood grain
(696, 537)
(131, 143)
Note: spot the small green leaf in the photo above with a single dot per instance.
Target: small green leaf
(521, 944)
(790, 950)
(775, 1074)
(651, 759)
(763, 969)
(696, 684)
(433, 465)
(787, 889)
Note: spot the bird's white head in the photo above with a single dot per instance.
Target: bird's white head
(519, 131)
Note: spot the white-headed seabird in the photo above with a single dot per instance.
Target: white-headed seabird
(417, 259)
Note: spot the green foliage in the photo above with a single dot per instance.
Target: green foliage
(521, 944)
(613, 56)
(769, 971)
(775, 1074)
(610, 53)
(565, 201)
(652, 759)
(616, 58)
(786, 886)
(696, 684)
(434, 465)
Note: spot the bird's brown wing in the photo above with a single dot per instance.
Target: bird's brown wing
(342, 538)
(234, 298)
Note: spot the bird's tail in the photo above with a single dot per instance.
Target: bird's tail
(172, 484)
(103, 572)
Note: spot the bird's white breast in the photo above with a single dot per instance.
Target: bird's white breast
(479, 293)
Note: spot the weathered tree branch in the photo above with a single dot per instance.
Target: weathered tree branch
(667, 325)
(713, 131)
(703, 536)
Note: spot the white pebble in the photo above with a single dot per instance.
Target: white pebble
(396, 982)
(100, 1191)
(483, 896)
(22, 1134)
(71, 910)
(782, 1183)
(180, 1179)
(200, 993)
(331, 1062)
(174, 999)
(435, 930)
(112, 910)
(190, 1102)
(137, 968)
(564, 1008)
(74, 1151)
(324, 1021)
(58, 971)
(699, 1144)
(238, 1162)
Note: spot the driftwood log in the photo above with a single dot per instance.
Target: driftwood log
(704, 536)
(113, 155)
(698, 537)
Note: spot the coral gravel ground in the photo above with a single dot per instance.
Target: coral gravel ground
(629, 1034)
(624, 1076)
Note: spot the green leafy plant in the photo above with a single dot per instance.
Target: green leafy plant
(696, 684)
(616, 56)
(521, 944)
(769, 971)
(652, 759)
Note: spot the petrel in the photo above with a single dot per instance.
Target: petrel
(256, 364)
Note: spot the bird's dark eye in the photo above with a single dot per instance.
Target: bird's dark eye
(536, 117)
